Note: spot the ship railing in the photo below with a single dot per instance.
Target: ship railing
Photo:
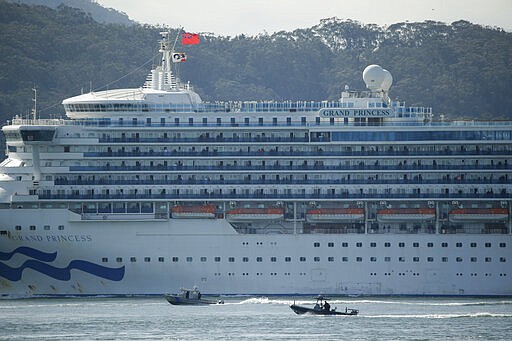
(379, 153)
(279, 196)
(283, 181)
(161, 167)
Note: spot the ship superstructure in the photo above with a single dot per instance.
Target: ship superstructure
(139, 191)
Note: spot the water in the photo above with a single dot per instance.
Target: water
(258, 318)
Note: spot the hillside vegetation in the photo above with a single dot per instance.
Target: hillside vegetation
(461, 69)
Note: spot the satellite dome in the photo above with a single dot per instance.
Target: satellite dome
(376, 78)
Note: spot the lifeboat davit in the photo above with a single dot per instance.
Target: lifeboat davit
(254, 214)
(478, 214)
(406, 214)
(334, 214)
(193, 211)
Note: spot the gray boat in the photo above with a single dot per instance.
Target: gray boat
(189, 297)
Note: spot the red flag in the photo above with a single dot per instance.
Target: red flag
(189, 38)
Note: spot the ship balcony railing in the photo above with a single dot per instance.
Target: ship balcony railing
(260, 153)
(282, 181)
(266, 168)
(264, 196)
(201, 139)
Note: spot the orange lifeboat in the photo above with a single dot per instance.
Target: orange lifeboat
(406, 214)
(334, 214)
(254, 214)
(478, 214)
(193, 211)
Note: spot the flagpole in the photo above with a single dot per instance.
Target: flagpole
(177, 36)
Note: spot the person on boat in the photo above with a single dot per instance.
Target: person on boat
(327, 306)
(317, 306)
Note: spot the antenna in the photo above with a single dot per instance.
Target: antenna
(34, 110)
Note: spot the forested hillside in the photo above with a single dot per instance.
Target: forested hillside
(461, 69)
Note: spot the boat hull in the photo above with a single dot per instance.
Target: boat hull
(148, 257)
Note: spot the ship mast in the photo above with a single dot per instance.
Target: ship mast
(34, 110)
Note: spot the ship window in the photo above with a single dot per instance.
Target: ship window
(46, 227)
(274, 121)
(317, 121)
(387, 259)
(161, 259)
(177, 121)
(503, 259)
(316, 244)
(415, 244)
(344, 244)
(162, 121)
(472, 244)
(104, 259)
(387, 244)
(203, 259)
(217, 259)
(430, 259)
(373, 244)
(330, 259)
(330, 244)
(190, 121)
(473, 259)
(444, 244)
(245, 259)
(444, 259)
(458, 244)
(503, 244)
(231, 259)
(359, 244)
(147, 259)
(205, 121)
(219, 121)
(458, 259)
(303, 120)
(288, 121)
(344, 259)
(415, 259)
(359, 259)
(148, 121)
(302, 259)
(430, 244)
(488, 259)
(260, 121)
(401, 244)
(373, 259)
(119, 259)
(175, 259)
(133, 259)
(316, 259)
(487, 244)
(134, 121)
(259, 259)
(189, 259)
(32, 227)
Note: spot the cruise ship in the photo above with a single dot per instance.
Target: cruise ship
(145, 190)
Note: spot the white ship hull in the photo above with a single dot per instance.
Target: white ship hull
(126, 255)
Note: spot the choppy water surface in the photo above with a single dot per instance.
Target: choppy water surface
(260, 318)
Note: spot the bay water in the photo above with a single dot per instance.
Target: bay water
(255, 318)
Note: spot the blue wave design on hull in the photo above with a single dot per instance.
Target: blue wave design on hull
(62, 274)
(28, 251)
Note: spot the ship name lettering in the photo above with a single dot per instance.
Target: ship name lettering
(355, 112)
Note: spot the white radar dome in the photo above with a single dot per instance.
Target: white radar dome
(376, 78)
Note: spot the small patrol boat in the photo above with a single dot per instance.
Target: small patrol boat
(322, 307)
(189, 297)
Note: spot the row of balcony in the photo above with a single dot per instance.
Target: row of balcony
(287, 168)
(254, 196)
